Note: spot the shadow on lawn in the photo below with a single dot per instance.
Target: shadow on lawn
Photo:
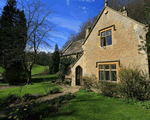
(39, 80)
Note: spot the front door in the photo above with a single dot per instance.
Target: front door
(78, 75)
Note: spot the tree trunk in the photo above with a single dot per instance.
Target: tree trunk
(29, 77)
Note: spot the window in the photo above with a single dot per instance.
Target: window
(107, 72)
(106, 38)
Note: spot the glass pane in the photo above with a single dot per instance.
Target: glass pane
(103, 42)
(103, 34)
(107, 75)
(113, 76)
(113, 66)
(109, 40)
(101, 67)
(101, 75)
(108, 32)
(106, 66)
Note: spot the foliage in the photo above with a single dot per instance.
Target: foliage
(67, 82)
(87, 82)
(42, 58)
(14, 75)
(108, 89)
(28, 97)
(54, 90)
(38, 110)
(133, 84)
(13, 34)
(64, 63)
(13, 39)
(54, 61)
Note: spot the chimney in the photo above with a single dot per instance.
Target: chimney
(106, 3)
(87, 31)
(124, 12)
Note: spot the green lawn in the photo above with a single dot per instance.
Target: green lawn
(38, 69)
(37, 87)
(90, 106)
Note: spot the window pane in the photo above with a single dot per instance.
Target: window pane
(106, 66)
(103, 42)
(103, 34)
(107, 75)
(113, 76)
(101, 75)
(113, 66)
(109, 40)
(108, 32)
(101, 67)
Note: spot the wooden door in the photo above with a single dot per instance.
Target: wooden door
(78, 75)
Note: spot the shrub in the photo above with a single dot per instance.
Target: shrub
(67, 82)
(108, 89)
(13, 77)
(87, 82)
(133, 84)
(64, 63)
(55, 90)
(27, 96)
(11, 98)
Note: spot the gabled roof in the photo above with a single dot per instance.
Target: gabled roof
(73, 48)
(100, 16)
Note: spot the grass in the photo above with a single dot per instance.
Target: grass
(90, 106)
(37, 69)
(37, 87)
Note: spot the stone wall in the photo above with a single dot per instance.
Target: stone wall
(125, 41)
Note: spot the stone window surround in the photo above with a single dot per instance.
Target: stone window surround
(112, 28)
(116, 62)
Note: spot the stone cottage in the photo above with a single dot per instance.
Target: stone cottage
(112, 42)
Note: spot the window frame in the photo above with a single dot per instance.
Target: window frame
(108, 63)
(100, 36)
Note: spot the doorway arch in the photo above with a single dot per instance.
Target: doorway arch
(78, 75)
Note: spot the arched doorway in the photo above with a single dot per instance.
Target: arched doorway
(78, 75)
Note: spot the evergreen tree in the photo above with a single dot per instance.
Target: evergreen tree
(54, 61)
(13, 34)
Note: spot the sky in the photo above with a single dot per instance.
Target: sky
(68, 15)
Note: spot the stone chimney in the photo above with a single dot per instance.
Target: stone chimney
(106, 3)
(124, 12)
(87, 31)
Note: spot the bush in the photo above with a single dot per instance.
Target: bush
(133, 84)
(87, 82)
(108, 89)
(55, 90)
(64, 63)
(67, 82)
(13, 77)
(27, 96)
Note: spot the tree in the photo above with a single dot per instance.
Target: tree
(42, 58)
(38, 29)
(12, 40)
(54, 61)
(64, 63)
